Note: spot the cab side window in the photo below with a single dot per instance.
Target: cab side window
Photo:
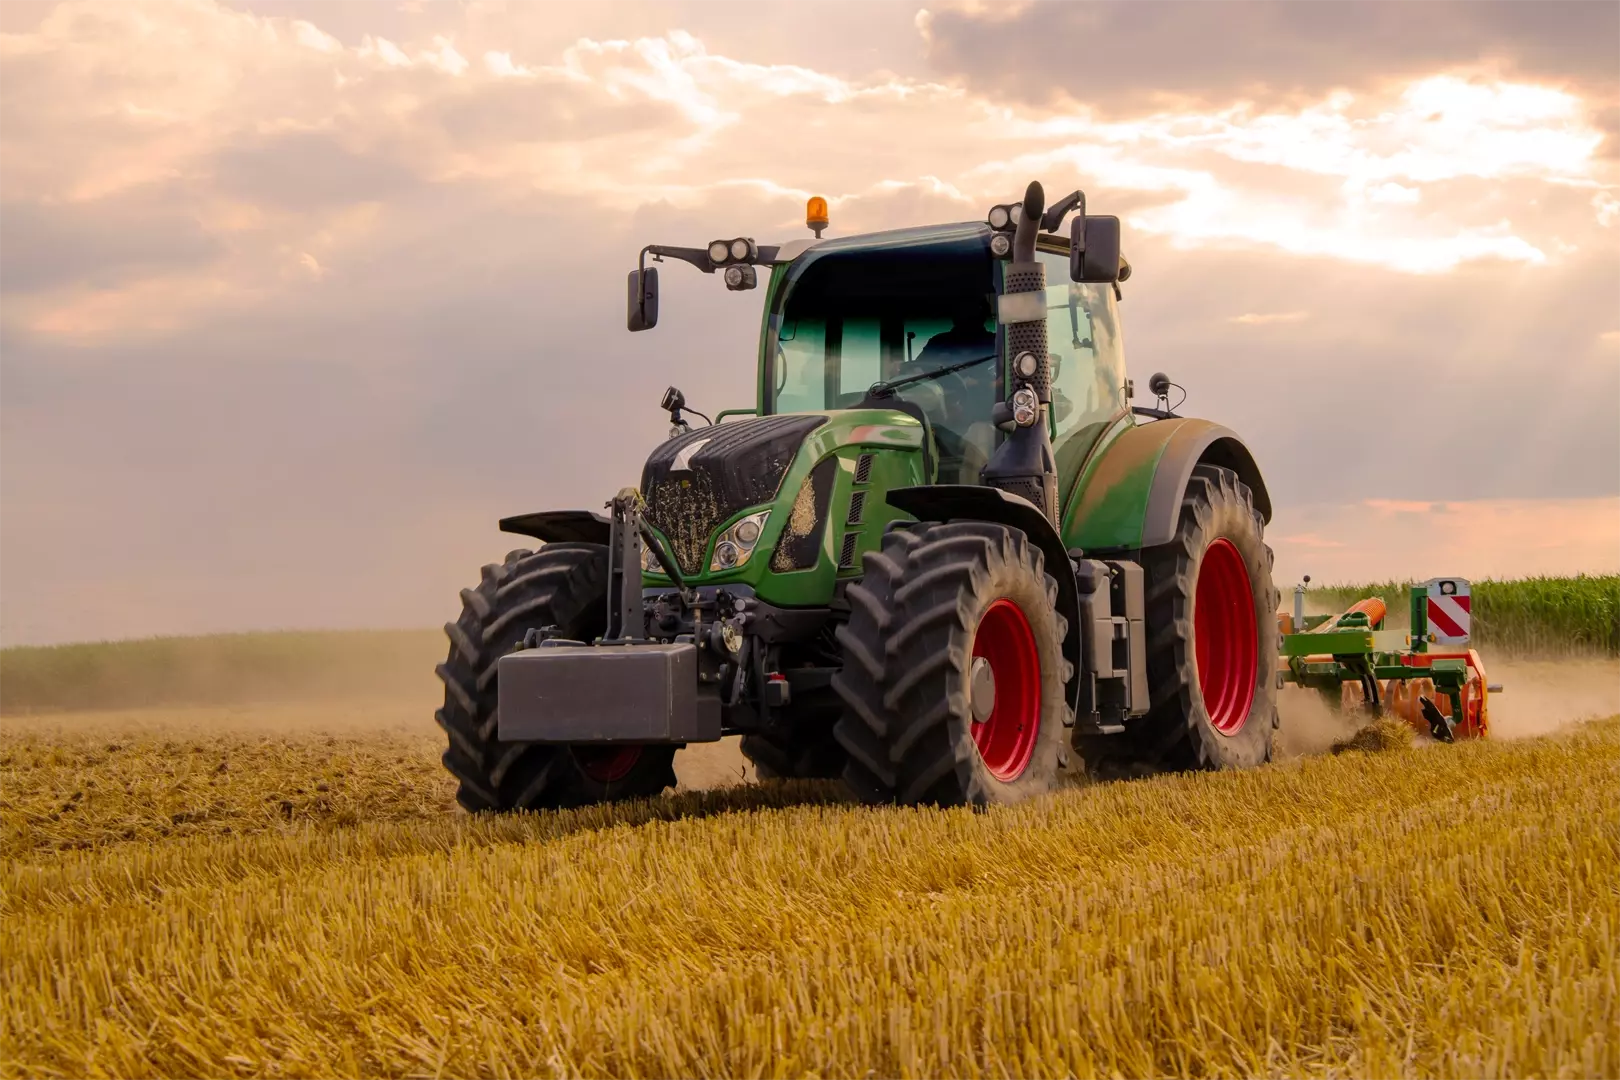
(1088, 377)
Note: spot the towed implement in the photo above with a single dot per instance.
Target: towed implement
(942, 556)
(1427, 676)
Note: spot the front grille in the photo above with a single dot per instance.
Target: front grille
(723, 469)
(846, 558)
(857, 505)
(863, 469)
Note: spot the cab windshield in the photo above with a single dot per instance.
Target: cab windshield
(844, 320)
(857, 318)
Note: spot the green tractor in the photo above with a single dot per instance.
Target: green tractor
(943, 557)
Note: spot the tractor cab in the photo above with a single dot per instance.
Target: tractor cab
(913, 313)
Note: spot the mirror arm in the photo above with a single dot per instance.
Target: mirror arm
(698, 257)
(1053, 218)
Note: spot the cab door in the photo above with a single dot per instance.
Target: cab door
(1088, 377)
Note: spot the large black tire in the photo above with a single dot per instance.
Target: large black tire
(932, 601)
(1212, 641)
(562, 585)
(801, 753)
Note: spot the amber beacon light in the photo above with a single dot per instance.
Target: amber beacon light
(815, 214)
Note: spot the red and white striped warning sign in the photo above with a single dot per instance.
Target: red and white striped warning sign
(1449, 610)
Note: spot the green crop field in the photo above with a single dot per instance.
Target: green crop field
(1546, 616)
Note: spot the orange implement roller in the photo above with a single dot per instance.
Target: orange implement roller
(1373, 607)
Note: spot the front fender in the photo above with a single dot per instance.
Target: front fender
(954, 502)
(561, 526)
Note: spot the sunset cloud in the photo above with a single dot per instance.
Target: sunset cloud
(1258, 319)
(295, 252)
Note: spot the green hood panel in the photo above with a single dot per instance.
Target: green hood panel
(836, 441)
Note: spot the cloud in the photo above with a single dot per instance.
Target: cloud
(1485, 538)
(322, 290)
(1192, 55)
(1311, 541)
(1399, 506)
(1258, 319)
(144, 231)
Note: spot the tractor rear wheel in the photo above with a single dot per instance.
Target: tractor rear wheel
(561, 585)
(953, 675)
(1212, 641)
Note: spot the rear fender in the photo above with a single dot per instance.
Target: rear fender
(1197, 443)
(956, 502)
(1131, 497)
(561, 526)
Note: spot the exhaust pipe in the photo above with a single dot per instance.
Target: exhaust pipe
(1023, 464)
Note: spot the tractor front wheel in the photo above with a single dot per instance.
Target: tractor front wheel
(953, 676)
(804, 752)
(561, 585)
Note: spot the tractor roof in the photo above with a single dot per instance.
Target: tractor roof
(959, 238)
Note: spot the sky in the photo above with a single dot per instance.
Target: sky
(298, 298)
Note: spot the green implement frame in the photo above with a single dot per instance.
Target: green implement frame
(1397, 672)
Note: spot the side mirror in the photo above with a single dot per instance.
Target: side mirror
(643, 312)
(1094, 249)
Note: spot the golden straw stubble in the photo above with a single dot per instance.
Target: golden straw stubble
(1424, 911)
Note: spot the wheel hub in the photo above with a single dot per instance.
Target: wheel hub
(982, 689)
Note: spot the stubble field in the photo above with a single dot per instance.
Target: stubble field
(289, 890)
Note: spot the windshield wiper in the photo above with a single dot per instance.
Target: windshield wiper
(887, 389)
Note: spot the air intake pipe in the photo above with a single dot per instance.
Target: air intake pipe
(1024, 464)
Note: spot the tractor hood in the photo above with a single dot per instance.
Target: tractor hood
(694, 482)
(697, 484)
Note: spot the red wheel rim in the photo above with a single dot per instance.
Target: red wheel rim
(1006, 739)
(1227, 647)
(605, 764)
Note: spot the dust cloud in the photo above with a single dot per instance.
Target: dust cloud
(713, 765)
(1541, 696)
(1538, 697)
(1309, 725)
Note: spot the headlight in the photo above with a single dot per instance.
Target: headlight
(1000, 217)
(1000, 245)
(739, 249)
(1025, 407)
(733, 546)
(718, 251)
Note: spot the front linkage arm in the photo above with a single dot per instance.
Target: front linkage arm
(626, 620)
